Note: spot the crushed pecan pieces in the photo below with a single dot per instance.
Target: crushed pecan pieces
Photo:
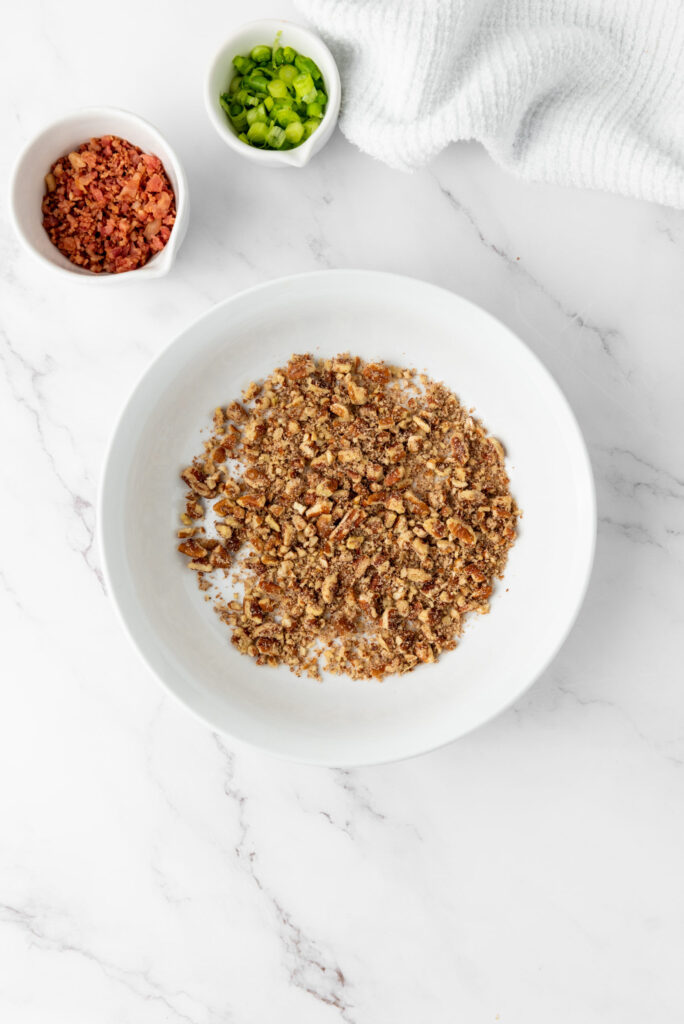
(108, 207)
(374, 514)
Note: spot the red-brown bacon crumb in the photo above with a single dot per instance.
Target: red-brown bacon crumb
(108, 207)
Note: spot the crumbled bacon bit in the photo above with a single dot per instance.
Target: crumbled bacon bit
(108, 207)
(374, 520)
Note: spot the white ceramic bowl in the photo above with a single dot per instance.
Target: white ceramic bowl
(222, 71)
(339, 721)
(28, 187)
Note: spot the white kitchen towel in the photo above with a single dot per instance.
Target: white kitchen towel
(575, 92)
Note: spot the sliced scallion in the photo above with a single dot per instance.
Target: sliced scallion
(276, 99)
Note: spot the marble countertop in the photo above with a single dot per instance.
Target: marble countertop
(149, 872)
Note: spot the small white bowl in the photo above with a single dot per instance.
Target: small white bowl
(28, 186)
(222, 71)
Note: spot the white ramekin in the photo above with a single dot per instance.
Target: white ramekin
(28, 187)
(222, 71)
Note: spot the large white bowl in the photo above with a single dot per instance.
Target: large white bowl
(28, 187)
(221, 72)
(379, 316)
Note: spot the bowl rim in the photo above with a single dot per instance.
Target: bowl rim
(103, 527)
(270, 157)
(153, 268)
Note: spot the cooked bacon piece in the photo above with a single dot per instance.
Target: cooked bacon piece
(108, 207)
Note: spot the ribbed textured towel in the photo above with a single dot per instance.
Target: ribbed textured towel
(575, 92)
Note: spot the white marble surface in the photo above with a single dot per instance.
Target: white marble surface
(149, 873)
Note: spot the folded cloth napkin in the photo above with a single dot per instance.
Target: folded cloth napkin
(575, 92)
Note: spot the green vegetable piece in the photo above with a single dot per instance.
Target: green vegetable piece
(306, 65)
(278, 88)
(261, 54)
(294, 133)
(275, 137)
(257, 83)
(287, 116)
(257, 133)
(276, 99)
(256, 115)
(243, 65)
(287, 73)
(303, 85)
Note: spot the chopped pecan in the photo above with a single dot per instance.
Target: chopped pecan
(364, 561)
(192, 548)
(198, 482)
(236, 413)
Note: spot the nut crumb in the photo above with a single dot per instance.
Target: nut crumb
(374, 514)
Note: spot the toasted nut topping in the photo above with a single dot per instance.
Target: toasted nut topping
(373, 564)
(252, 501)
(357, 394)
(193, 549)
(418, 575)
(348, 455)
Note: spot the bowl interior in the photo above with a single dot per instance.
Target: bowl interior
(340, 721)
(249, 36)
(28, 186)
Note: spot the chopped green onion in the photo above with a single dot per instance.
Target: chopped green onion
(287, 116)
(277, 95)
(243, 65)
(287, 73)
(278, 89)
(256, 114)
(294, 132)
(257, 83)
(261, 54)
(257, 133)
(302, 85)
(305, 64)
(275, 137)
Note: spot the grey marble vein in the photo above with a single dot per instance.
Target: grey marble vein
(310, 968)
(35, 407)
